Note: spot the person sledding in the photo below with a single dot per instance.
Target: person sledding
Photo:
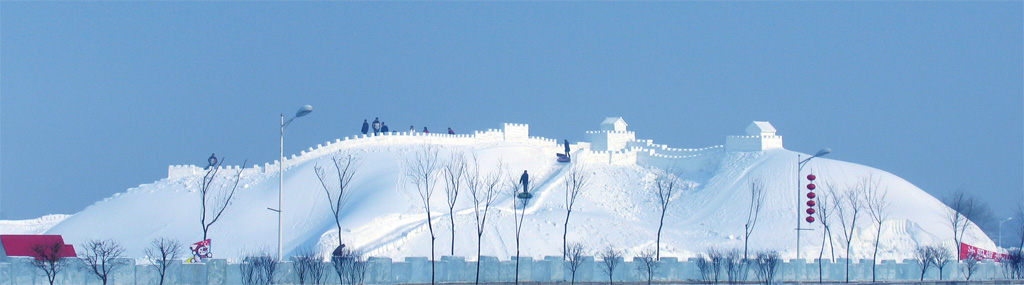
(450, 131)
(525, 181)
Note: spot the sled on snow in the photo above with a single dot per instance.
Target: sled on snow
(563, 158)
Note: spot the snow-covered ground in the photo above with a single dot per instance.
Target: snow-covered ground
(384, 216)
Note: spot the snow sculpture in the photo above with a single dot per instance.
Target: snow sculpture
(613, 135)
(760, 136)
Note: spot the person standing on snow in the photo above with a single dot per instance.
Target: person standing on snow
(425, 131)
(566, 148)
(450, 131)
(383, 127)
(412, 130)
(212, 160)
(376, 126)
(366, 126)
(525, 180)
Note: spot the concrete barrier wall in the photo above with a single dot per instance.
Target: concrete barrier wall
(457, 269)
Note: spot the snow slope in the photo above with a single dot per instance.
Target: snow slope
(384, 216)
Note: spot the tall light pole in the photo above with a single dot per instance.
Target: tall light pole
(1001, 231)
(305, 110)
(800, 166)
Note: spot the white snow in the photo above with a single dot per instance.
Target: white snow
(384, 216)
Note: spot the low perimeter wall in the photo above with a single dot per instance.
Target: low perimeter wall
(456, 269)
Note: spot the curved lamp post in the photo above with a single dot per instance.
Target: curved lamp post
(305, 110)
(800, 166)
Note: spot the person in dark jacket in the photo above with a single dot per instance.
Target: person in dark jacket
(376, 126)
(412, 130)
(366, 126)
(450, 131)
(425, 131)
(383, 127)
(566, 148)
(212, 160)
(525, 180)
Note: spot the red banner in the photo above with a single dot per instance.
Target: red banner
(967, 251)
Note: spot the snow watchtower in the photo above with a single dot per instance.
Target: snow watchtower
(760, 136)
(613, 135)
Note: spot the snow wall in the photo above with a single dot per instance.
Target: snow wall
(456, 269)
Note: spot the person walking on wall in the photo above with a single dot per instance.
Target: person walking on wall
(366, 126)
(412, 130)
(212, 160)
(376, 126)
(425, 131)
(525, 180)
(383, 127)
(450, 131)
(566, 148)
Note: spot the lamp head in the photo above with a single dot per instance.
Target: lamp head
(305, 110)
(822, 152)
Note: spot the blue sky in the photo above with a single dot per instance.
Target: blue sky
(98, 97)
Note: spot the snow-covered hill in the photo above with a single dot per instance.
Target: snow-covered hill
(384, 216)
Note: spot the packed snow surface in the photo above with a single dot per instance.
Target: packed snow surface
(385, 216)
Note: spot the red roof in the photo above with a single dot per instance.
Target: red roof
(21, 245)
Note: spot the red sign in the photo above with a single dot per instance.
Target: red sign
(979, 254)
(21, 245)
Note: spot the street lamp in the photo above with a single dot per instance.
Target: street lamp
(305, 110)
(1001, 230)
(800, 166)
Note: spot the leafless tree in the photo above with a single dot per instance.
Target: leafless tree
(214, 198)
(704, 266)
(518, 215)
(878, 210)
(753, 211)
(422, 171)
(351, 266)
(735, 266)
(574, 259)
(100, 257)
(337, 187)
(48, 259)
(609, 260)
(767, 263)
(1012, 263)
(309, 266)
(923, 255)
(258, 268)
(971, 264)
(824, 199)
(664, 183)
(646, 264)
(454, 170)
(961, 206)
(164, 252)
(1019, 225)
(940, 257)
(848, 207)
(575, 182)
(483, 190)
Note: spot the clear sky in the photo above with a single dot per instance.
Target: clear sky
(98, 97)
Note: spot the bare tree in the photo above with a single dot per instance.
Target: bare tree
(101, 256)
(345, 168)
(717, 259)
(646, 264)
(971, 264)
(961, 206)
(940, 257)
(767, 263)
(422, 171)
(609, 260)
(309, 266)
(483, 190)
(514, 186)
(1012, 263)
(878, 210)
(351, 266)
(575, 182)
(258, 268)
(923, 255)
(753, 211)
(214, 199)
(825, 207)
(664, 183)
(848, 207)
(454, 170)
(164, 252)
(47, 258)
(735, 266)
(574, 259)
(704, 266)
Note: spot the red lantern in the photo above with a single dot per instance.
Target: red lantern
(810, 211)
(811, 177)
(810, 203)
(810, 195)
(811, 186)
(810, 219)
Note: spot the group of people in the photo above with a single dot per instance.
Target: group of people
(379, 127)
